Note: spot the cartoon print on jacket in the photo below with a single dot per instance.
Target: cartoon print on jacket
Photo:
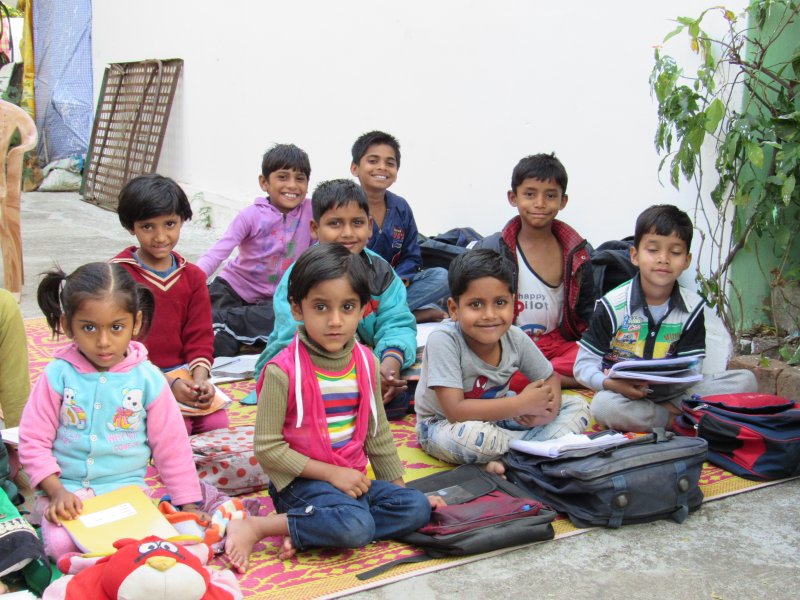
(72, 415)
(127, 416)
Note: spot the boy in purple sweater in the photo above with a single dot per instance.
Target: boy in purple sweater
(270, 234)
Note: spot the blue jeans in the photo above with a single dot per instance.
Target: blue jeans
(321, 515)
(427, 287)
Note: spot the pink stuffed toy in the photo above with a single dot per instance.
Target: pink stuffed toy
(147, 569)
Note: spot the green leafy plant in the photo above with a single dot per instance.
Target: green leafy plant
(741, 98)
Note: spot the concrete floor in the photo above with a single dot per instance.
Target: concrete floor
(743, 547)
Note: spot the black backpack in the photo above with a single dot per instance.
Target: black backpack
(440, 250)
(611, 262)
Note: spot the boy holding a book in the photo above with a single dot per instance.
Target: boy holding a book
(650, 316)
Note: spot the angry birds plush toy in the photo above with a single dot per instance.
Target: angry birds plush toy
(147, 569)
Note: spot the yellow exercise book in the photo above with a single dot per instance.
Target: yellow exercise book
(123, 513)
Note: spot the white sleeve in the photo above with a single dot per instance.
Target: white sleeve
(589, 369)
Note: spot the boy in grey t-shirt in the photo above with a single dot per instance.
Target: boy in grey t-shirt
(466, 411)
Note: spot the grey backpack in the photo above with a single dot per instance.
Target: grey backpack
(651, 477)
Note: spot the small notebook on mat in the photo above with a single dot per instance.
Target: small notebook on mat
(123, 513)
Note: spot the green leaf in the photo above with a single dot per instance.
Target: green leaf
(755, 154)
(673, 33)
(782, 237)
(714, 114)
(695, 138)
(787, 189)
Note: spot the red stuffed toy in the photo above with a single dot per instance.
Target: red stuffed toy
(147, 569)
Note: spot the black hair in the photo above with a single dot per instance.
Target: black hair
(476, 264)
(285, 156)
(61, 294)
(334, 193)
(664, 219)
(148, 196)
(323, 262)
(543, 167)
(373, 138)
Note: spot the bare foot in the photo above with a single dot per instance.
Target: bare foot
(3, 588)
(429, 315)
(287, 549)
(496, 467)
(239, 541)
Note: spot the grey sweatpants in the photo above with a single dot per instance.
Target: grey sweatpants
(616, 411)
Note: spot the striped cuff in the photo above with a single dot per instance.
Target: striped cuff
(200, 362)
(393, 353)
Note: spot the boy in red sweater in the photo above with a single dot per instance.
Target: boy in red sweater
(153, 208)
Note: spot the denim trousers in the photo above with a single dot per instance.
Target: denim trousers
(427, 288)
(320, 515)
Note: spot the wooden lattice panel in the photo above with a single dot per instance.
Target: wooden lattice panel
(129, 126)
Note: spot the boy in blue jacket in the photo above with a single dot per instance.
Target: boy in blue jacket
(393, 233)
(341, 216)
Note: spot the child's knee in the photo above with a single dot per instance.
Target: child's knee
(357, 528)
(605, 407)
(57, 542)
(475, 442)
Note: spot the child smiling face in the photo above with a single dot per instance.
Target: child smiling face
(377, 169)
(286, 188)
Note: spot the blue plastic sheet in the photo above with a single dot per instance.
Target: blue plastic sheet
(62, 34)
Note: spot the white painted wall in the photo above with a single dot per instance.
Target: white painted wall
(468, 88)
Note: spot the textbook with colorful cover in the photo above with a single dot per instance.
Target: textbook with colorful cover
(220, 400)
(123, 513)
(680, 369)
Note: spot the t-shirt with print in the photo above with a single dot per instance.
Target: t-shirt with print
(449, 362)
(539, 305)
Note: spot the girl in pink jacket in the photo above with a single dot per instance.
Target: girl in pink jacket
(101, 410)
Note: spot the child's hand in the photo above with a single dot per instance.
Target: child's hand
(64, 506)
(633, 389)
(350, 481)
(540, 401)
(391, 385)
(204, 393)
(196, 510)
(188, 393)
(183, 392)
(531, 421)
(436, 501)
